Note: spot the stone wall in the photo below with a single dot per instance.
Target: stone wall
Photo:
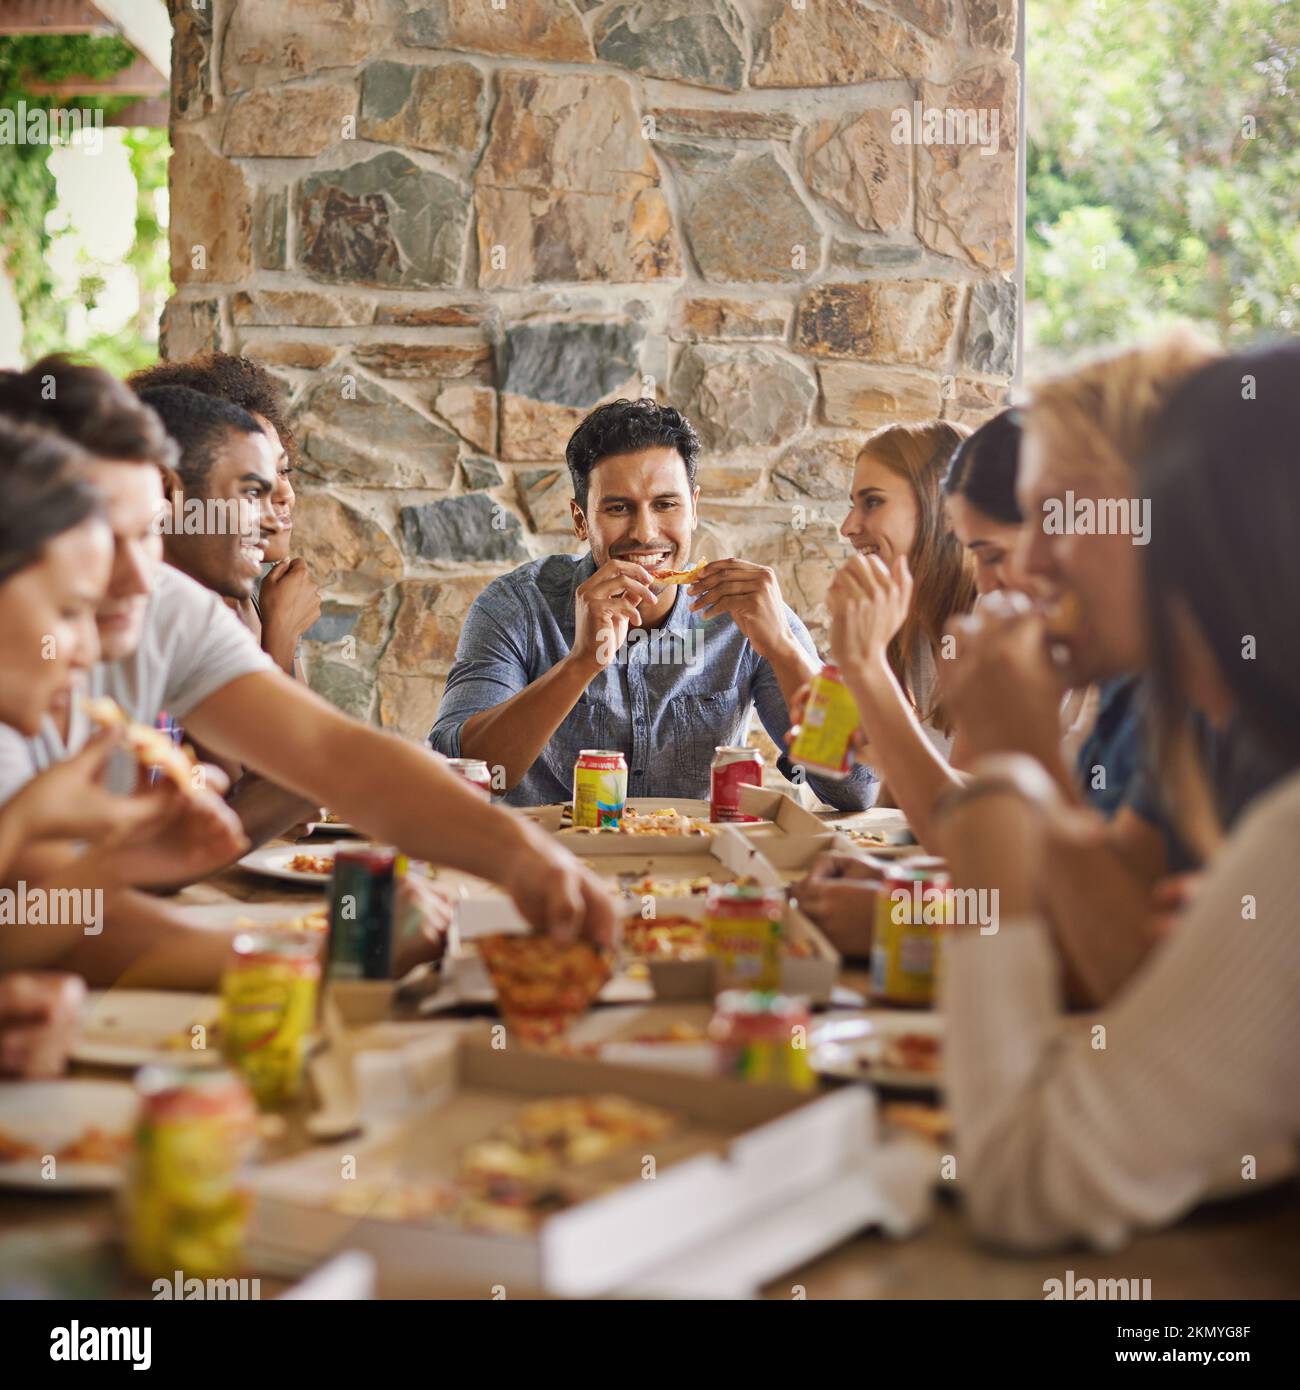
(453, 228)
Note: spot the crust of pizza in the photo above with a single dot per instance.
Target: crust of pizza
(151, 747)
(667, 577)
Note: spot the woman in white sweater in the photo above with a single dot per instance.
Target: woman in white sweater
(1091, 1130)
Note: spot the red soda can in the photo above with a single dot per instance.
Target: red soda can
(731, 769)
(474, 771)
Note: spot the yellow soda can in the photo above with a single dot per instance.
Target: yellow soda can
(831, 716)
(186, 1196)
(268, 1005)
(912, 912)
(599, 789)
(746, 935)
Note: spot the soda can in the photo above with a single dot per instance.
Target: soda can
(826, 732)
(362, 890)
(599, 788)
(746, 935)
(473, 771)
(912, 910)
(186, 1197)
(731, 769)
(763, 1037)
(268, 1005)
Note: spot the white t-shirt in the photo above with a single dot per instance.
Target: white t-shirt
(191, 646)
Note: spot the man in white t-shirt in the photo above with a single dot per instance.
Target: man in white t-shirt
(168, 643)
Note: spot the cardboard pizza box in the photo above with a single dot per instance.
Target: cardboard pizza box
(732, 856)
(740, 1153)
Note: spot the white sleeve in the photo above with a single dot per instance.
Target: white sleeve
(207, 645)
(1066, 1132)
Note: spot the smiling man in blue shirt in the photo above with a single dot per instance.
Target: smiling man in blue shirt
(590, 651)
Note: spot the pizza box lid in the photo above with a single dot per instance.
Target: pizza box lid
(743, 1150)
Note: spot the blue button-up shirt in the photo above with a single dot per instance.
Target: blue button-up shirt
(673, 694)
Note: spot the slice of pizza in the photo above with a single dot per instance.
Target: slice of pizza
(543, 986)
(152, 747)
(687, 576)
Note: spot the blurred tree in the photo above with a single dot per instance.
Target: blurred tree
(27, 194)
(1168, 135)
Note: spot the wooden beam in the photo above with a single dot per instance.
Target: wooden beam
(52, 17)
(149, 111)
(140, 79)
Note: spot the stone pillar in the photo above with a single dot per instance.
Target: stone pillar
(452, 227)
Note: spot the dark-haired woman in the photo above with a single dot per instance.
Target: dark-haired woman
(64, 826)
(56, 552)
(1192, 1073)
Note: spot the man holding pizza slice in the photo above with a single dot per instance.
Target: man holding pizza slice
(628, 646)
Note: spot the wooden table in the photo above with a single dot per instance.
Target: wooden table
(1247, 1249)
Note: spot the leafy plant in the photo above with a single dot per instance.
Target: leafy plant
(1170, 129)
(27, 190)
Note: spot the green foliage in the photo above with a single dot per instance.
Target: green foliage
(1171, 130)
(27, 190)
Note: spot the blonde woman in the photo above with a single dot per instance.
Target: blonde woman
(1060, 1139)
(1107, 899)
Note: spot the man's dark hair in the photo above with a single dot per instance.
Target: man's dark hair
(229, 378)
(198, 424)
(625, 427)
(85, 404)
(43, 492)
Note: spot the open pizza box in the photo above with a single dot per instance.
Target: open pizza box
(730, 856)
(777, 816)
(739, 1156)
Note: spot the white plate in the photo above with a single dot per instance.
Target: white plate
(273, 861)
(131, 1027)
(51, 1115)
(852, 1049)
(332, 827)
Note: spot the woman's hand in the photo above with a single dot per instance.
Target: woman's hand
(1001, 688)
(40, 1018)
(197, 835)
(70, 800)
(868, 604)
(799, 704)
(844, 908)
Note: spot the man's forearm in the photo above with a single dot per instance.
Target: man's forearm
(266, 810)
(402, 793)
(793, 669)
(512, 734)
